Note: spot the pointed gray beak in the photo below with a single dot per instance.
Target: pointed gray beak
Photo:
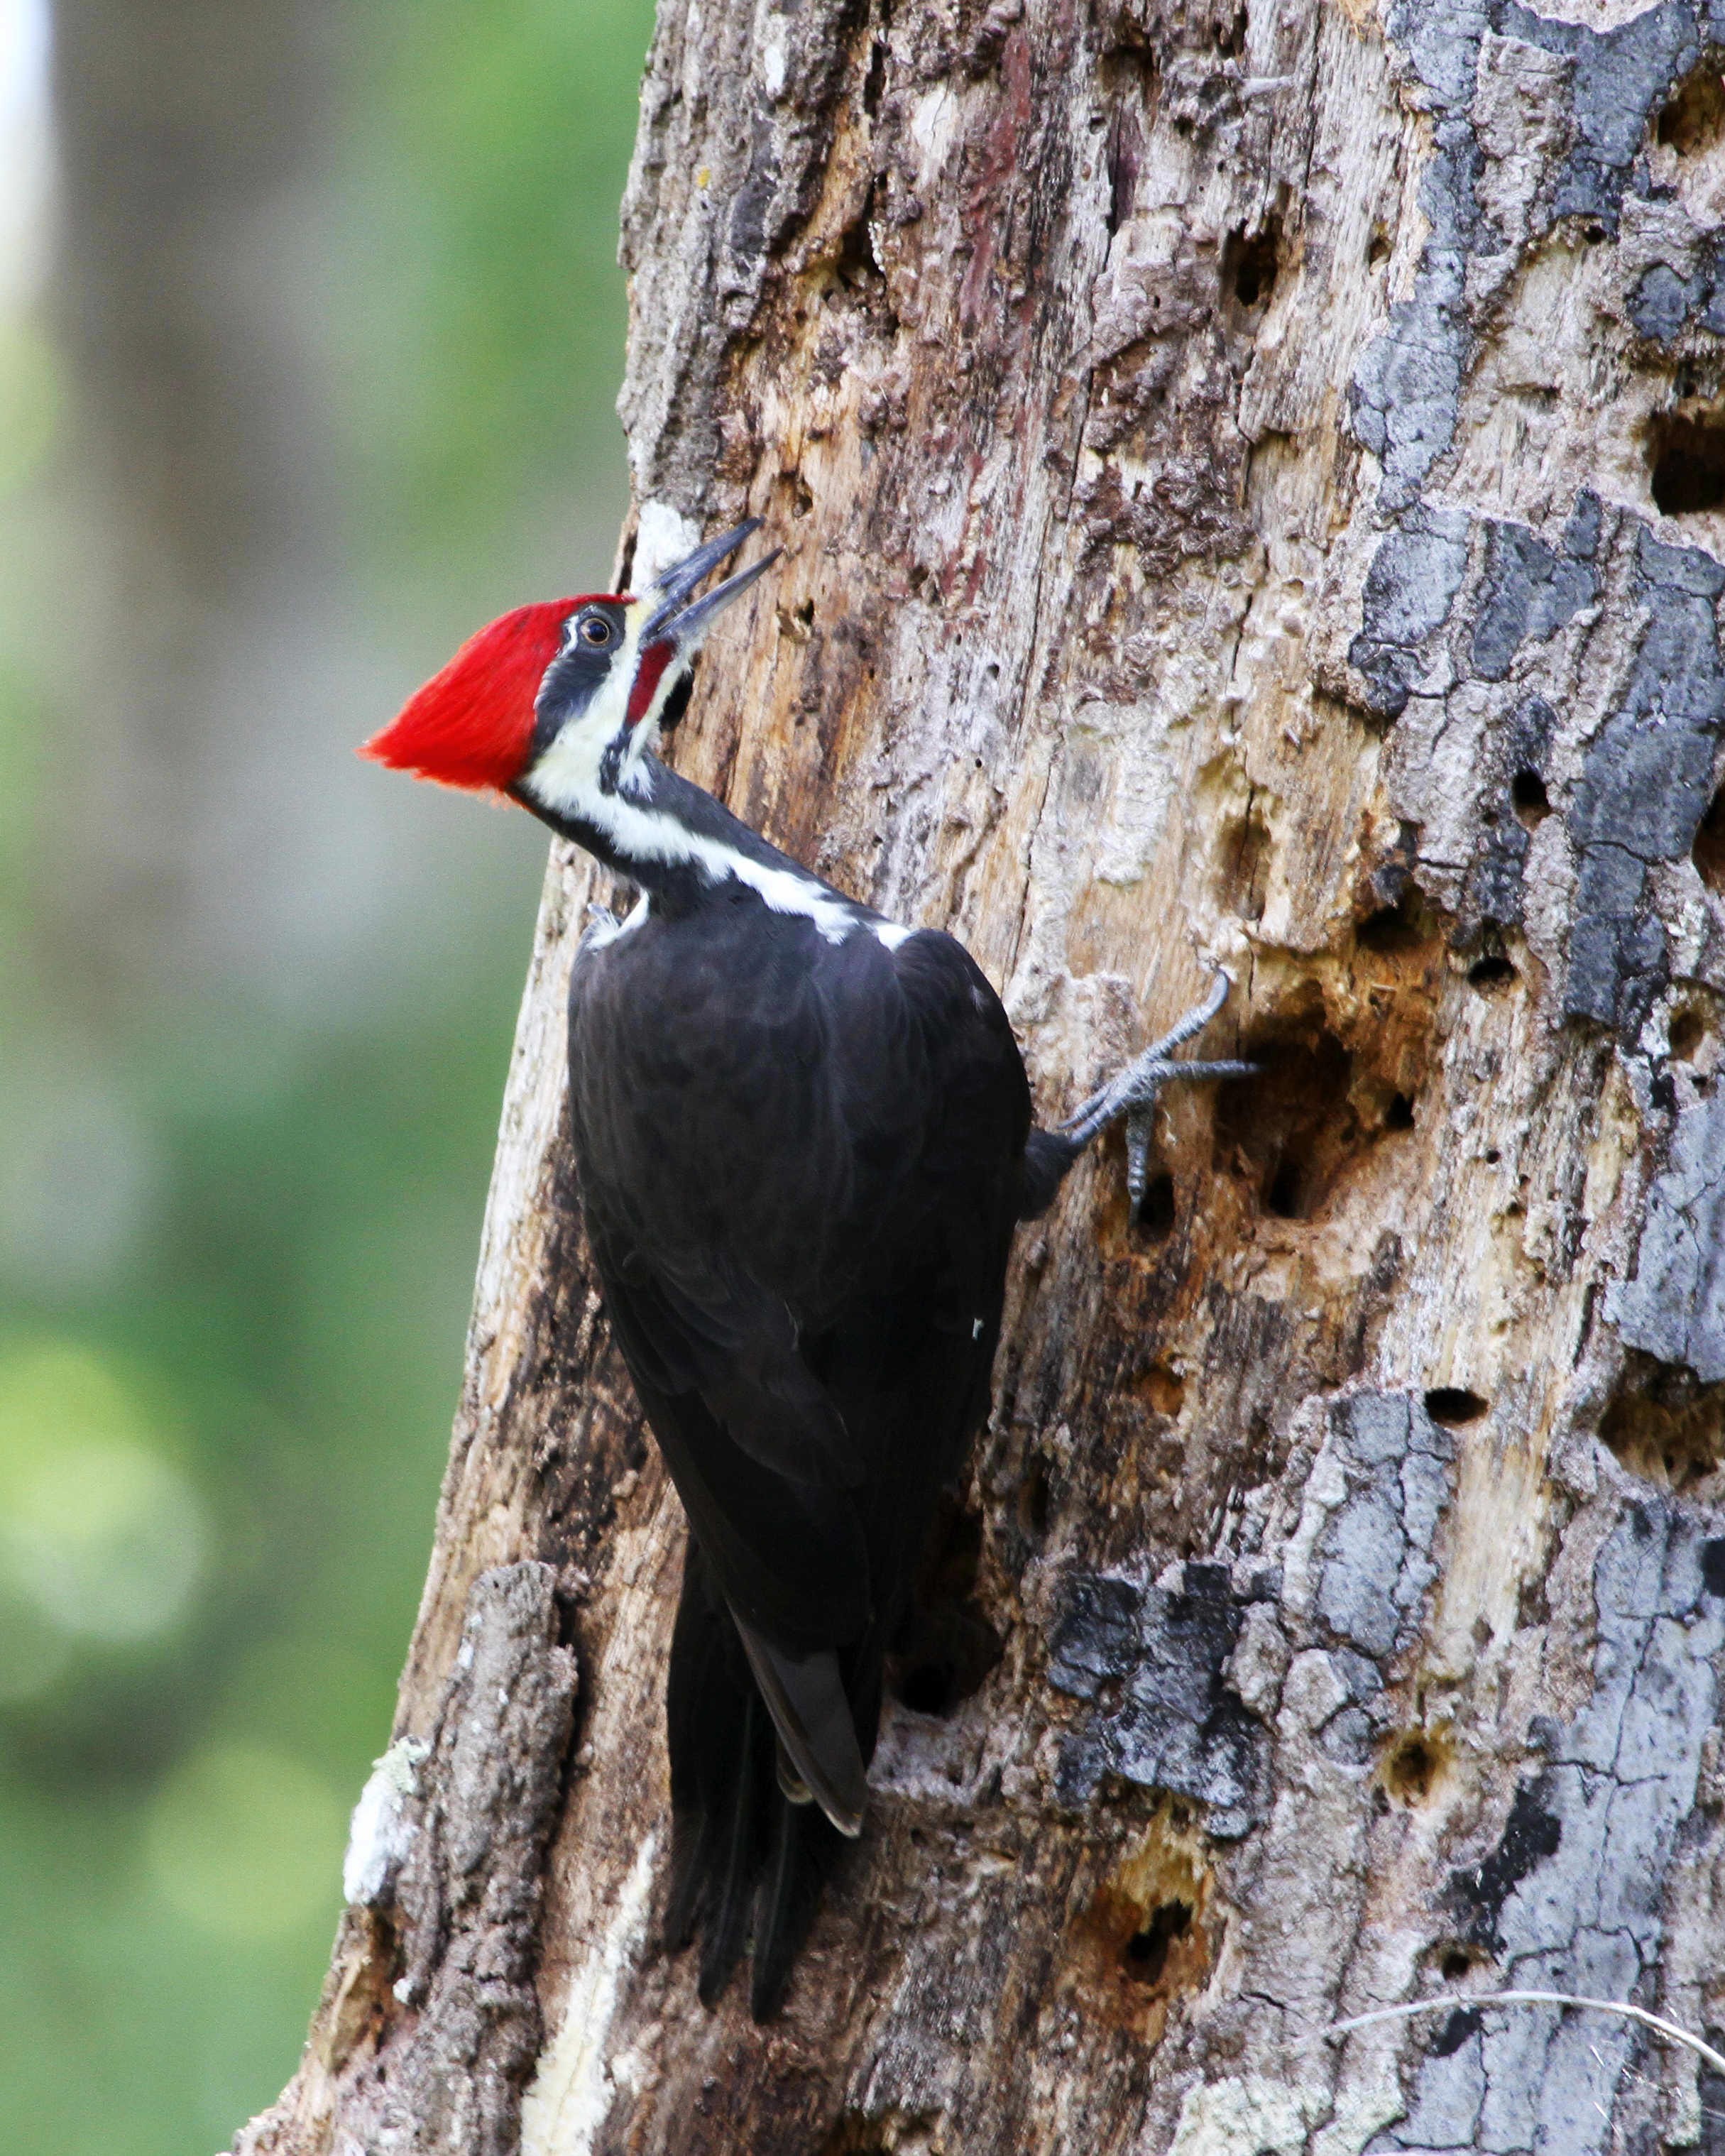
(685, 621)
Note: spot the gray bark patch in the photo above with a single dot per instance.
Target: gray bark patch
(1643, 789)
(1674, 1308)
(1644, 784)
(1571, 1898)
(1530, 589)
(1374, 1559)
(1415, 574)
(1156, 1660)
(468, 1898)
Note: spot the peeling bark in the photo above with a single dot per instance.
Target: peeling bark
(1254, 486)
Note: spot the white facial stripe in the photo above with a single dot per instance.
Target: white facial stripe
(584, 740)
(606, 712)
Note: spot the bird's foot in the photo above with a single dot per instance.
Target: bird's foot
(1131, 1092)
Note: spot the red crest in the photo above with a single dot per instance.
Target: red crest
(472, 724)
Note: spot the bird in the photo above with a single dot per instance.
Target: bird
(803, 1140)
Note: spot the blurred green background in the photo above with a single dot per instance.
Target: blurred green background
(310, 329)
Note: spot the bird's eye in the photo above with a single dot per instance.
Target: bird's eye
(595, 630)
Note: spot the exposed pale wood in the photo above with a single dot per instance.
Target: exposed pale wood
(1213, 452)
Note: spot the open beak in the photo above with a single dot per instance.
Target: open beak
(684, 621)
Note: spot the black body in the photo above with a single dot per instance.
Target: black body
(801, 1161)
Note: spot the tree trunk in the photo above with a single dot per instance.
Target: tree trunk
(1251, 493)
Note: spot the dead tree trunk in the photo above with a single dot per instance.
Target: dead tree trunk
(1254, 490)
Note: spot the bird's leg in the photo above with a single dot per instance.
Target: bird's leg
(1131, 1092)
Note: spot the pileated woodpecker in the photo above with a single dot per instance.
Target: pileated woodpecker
(803, 1140)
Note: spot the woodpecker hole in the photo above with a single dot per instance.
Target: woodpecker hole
(1392, 930)
(929, 1688)
(1454, 1406)
(1686, 458)
(796, 623)
(1034, 1499)
(1457, 1964)
(1292, 1128)
(1377, 248)
(874, 82)
(856, 266)
(1411, 1767)
(1285, 1193)
(1494, 970)
(1399, 1116)
(1129, 83)
(1688, 1030)
(1154, 1218)
(1142, 1939)
(1528, 798)
(1666, 1427)
(1693, 118)
(945, 1646)
(1248, 266)
(1708, 852)
(1144, 1956)
(1161, 1387)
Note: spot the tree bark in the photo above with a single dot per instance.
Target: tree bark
(1251, 480)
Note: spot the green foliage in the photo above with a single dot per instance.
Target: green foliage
(237, 1445)
(231, 1341)
(492, 141)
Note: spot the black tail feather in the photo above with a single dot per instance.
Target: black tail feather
(742, 1849)
(805, 1696)
(738, 1861)
(802, 1847)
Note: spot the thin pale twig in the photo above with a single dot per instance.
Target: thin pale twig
(1466, 2003)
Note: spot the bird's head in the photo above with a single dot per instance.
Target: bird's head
(555, 702)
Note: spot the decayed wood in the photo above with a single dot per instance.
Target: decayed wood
(1223, 455)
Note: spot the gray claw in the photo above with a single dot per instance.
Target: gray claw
(1132, 1091)
(1137, 1155)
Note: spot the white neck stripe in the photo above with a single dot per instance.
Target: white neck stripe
(643, 833)
(567, 779)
